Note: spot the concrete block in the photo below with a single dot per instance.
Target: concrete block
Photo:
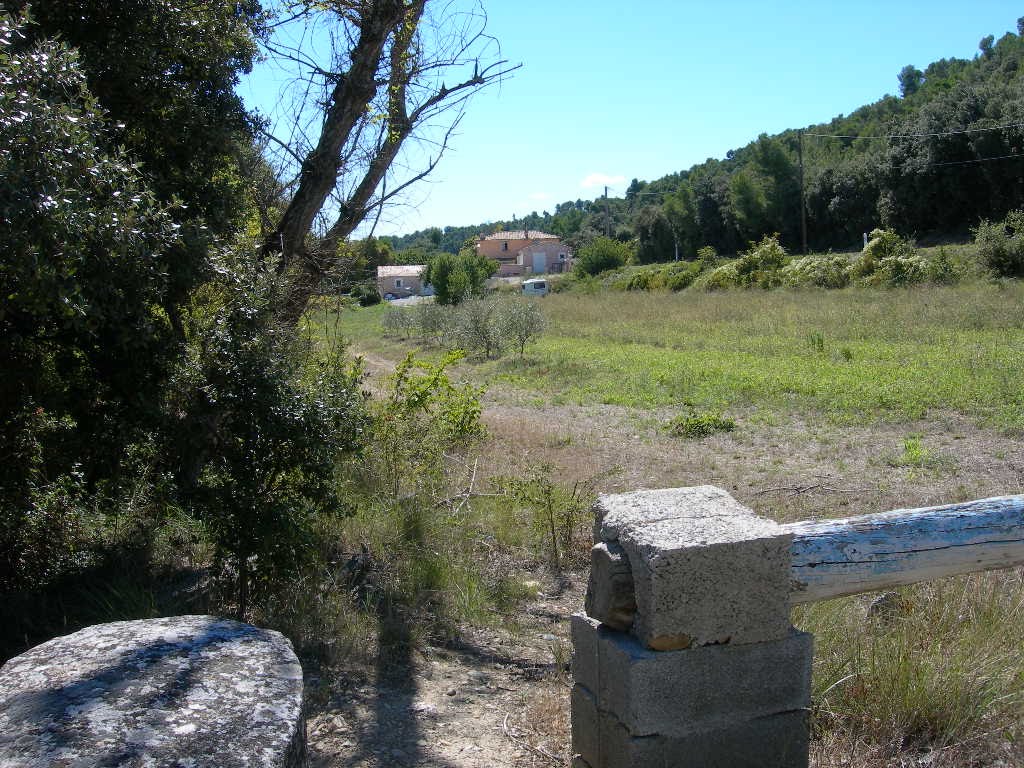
(706, 570)
(585, 659)
(610, 593)
(674, 693)
(586, 725)
(779, 741)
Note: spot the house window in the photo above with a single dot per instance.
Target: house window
(398, 282)
(504, 246)
(561, 257)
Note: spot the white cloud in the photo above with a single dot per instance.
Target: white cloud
(601, 180)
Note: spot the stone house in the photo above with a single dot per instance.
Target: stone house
(401, 281)
(520, 252)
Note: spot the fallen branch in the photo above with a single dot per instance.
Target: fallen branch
(797, 490)
(527, 745)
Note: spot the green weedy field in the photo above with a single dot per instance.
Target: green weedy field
(842, 403)
(852, 356)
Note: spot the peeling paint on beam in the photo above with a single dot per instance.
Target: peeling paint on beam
(832, 558)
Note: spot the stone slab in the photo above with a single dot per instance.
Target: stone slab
(674, 693)
(706, 570)
(194, 691)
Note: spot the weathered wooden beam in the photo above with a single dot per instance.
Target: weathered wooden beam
(831, 558)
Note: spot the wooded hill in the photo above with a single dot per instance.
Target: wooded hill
(946, 153)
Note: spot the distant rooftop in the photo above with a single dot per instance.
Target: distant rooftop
(401, 270)
(521, 234)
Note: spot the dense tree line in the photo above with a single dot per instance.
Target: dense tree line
(158, 393)
(945, 153)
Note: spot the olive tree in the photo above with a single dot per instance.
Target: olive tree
(521, 322)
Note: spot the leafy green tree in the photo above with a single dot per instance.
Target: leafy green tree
(165, 74)
(84, 345)
(748, 203)
(656, 240)
(910, 78)
(682, 218)
(601, 255)
(285, 418)
(458, 277)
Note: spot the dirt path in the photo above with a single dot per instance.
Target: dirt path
(494, 698)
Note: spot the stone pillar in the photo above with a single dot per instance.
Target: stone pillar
(710, 672)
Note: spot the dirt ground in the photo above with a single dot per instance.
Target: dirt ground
(494, 698)
(500, 698)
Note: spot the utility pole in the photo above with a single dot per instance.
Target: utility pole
(803, 204)
(607, 216)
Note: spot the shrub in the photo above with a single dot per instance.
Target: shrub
(366, 294)
(421, 416)
(719, 279)
(555, 510)
(1001, 244)
(941, 269)
(828, 271)
(707, 258)
(681, 275)
(282, 416)
(697, 425)
(886, 255)
(760, 265)
(674, 276)
(602, 255)
(642, 280)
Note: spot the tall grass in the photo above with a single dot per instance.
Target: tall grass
(941, 667)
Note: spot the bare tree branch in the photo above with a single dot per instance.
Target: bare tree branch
(384, 84)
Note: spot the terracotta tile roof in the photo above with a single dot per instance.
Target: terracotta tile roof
(521, 234)
(401, 270)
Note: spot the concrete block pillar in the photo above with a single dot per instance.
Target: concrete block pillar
(697, 664)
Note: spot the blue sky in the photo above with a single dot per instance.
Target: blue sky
(609, 92)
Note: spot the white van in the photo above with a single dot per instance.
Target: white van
(535, 287)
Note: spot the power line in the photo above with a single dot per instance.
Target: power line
(917, 135)
(977, 160)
